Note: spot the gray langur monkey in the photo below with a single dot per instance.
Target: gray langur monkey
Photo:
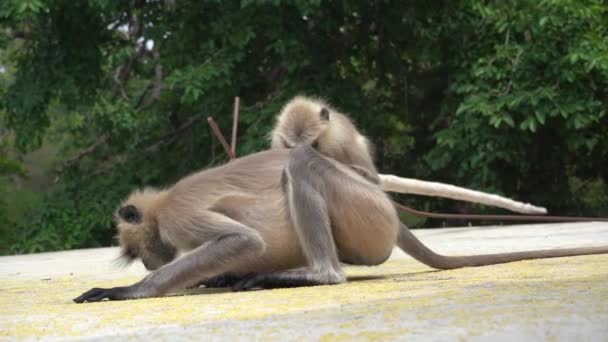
(305, 120)
(311, 121)
(278, 218)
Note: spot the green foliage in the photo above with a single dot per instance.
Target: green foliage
(505, 96)
(530, 99)
(76, 215)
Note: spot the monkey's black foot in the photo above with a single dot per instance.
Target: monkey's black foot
(224, 280)
(276, 280)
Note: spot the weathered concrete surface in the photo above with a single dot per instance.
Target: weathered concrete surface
(553, 299)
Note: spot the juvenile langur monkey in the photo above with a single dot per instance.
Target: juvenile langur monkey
(306, 120)
(311, 121)
(278, 218)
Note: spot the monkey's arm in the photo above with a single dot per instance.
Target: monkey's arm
(310, 218)
(418, 187)
(233, 244)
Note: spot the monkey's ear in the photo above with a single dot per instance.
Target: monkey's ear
(324, 114)
(130, 214)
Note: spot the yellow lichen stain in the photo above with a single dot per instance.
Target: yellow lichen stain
(475, 299)
(363, 336)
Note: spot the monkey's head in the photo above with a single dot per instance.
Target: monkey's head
(138, 231)
(312, 121)
(302, 121)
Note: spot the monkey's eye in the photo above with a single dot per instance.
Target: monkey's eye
(130, 214)
(315, 144)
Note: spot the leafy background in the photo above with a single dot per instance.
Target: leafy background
(102, 96)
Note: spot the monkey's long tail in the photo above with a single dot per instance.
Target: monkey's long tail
(410, 244)
(418, 187)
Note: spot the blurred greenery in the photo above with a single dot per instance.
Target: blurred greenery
(100, 97)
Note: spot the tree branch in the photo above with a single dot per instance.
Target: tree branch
(84, 152)
(169, 138)
(163, 141)
(157, 83)
(123, 71)
(20, 35)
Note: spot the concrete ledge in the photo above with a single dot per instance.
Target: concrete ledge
(551, 299)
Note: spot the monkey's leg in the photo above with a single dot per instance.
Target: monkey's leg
(235, 245)
(284, 279)
(309, 215)
(224, 280)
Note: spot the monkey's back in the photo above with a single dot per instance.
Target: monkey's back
(247, 190)
(251, 174)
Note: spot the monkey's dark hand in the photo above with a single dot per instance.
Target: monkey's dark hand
(97, 294)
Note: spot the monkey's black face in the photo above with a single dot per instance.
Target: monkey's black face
(128, 255)
(304, 136)
(154, 254)
(157, 255)
(130, 214)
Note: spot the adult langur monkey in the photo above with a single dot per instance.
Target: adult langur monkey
(306, 120)
(278, 218)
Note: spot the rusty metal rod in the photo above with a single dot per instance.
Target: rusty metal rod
(220, 137)
(235, 124)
